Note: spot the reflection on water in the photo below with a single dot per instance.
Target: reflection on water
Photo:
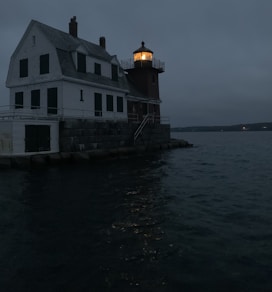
(98, 226)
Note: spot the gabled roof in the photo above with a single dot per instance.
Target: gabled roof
(65, 41)
(66, 44)
(69, 70)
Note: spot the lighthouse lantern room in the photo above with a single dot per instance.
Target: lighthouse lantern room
(142, 56)
(144, 79)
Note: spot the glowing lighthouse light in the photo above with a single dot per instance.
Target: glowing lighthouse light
(143, 54)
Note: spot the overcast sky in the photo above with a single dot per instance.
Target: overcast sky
(217, 53)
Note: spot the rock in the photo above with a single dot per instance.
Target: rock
(66, 156)
(80, 156)
(127, 150)
(21, 162)
(98, 154)
(164, 146)
(5, 162)
(39, 160)
(54, 158)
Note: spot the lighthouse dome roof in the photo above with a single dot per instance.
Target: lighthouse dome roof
(142, 49)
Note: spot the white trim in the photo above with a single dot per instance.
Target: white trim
(96, 85)
(37, 84)
(74, 80)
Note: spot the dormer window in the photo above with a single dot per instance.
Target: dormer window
(97, 68)
(44, 64)
(23, 68)
(81, 63)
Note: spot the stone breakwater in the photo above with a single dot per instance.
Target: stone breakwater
(39, 160)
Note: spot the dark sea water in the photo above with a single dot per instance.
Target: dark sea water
(197, 219)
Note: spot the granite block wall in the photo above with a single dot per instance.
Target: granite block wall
(84, 135)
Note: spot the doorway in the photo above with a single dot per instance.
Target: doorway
(37, 138)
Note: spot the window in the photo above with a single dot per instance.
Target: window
(98, 104)
(97, 69)
(35, 99)
(109, 103)
(52, 100)
(120, 106)
(24, 68)
(19, 100)
(44, 64)
(114, 72)
(81, 63)
(81, 95)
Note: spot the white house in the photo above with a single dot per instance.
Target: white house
(54, 75)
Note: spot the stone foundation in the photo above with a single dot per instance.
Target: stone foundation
(84, 135)
(52, 159)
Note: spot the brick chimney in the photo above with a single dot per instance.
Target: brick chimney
(102, 42)
(73, 27)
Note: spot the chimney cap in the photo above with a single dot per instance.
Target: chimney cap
(73, 27)
(102, 42)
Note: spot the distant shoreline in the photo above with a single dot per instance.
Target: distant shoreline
(267, 126)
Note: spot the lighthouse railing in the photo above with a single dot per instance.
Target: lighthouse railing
(156, 63)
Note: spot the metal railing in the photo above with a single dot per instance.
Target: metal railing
(135, 118)
(141, 127)
(151, 119)
(156, 63)
(16, 112)
(8, 112)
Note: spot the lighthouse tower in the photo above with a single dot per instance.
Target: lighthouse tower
(143, 74)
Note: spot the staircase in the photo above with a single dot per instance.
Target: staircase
(141, 127)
